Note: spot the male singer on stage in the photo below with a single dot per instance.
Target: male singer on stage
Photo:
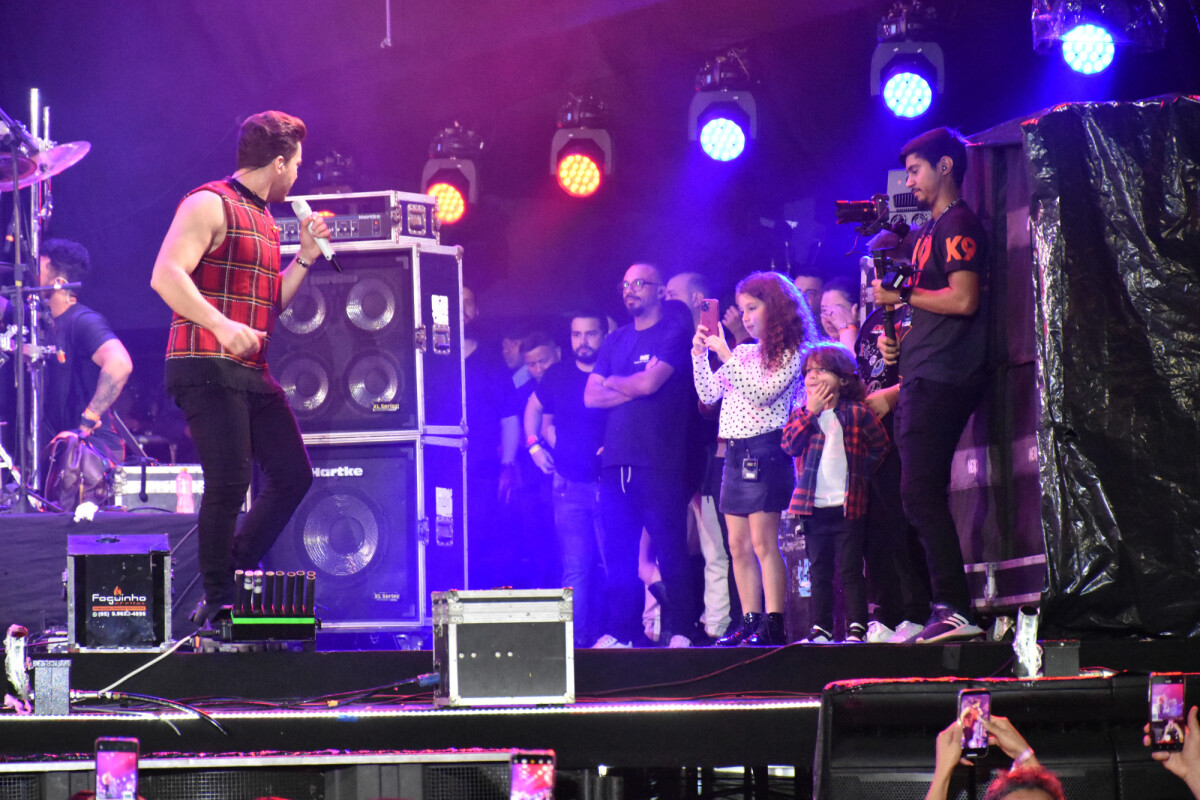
(219, 271)
(942, 366)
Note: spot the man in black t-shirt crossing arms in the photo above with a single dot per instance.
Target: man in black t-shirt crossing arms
(942, 366)
(563, 438)
(643, 376)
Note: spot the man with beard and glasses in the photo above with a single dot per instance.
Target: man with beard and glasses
(641, 376)
(563, 438)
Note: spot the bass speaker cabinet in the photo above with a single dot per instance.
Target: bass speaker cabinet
(377, 347)
(376, 515)
(875, 739)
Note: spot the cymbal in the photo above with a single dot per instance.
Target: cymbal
(25, 167)
(46, 164)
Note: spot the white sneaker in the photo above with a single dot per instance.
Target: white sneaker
(608, 641)
(906, 632)
(678, 641)
(878, 633)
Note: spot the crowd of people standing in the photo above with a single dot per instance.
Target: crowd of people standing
(605, 471)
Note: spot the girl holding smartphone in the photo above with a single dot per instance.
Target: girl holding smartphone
(757, 383)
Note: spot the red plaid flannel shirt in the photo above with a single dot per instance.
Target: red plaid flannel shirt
(866, 444)
(240, 278)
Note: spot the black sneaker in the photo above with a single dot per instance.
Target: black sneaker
(817, 635)
(947, 625)
(856, 633)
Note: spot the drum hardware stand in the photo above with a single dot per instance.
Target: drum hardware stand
(30, 356)
(33, 162)
(19, 142)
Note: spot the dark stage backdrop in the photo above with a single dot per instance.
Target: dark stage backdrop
(1116, 224)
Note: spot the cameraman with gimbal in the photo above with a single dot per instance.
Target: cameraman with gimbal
(941, 366)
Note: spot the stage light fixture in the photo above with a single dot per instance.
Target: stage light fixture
(1090, 31)
(451, 175)
(907, 69)
(1088, 48)
(723, 116)
(581, 152)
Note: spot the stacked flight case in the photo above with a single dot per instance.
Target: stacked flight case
(372, 362)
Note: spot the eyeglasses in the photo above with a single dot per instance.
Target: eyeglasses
(638, 284)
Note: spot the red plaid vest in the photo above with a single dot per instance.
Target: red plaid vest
(240, 278)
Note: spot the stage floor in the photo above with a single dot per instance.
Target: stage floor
(703, 706)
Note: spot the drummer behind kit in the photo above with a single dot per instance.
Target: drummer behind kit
(26, 162)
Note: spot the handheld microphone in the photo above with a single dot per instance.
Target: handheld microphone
(302, 211)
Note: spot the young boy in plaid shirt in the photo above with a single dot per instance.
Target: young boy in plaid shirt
(837, 443)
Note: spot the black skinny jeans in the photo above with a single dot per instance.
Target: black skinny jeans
(233, 430)
(930, 418)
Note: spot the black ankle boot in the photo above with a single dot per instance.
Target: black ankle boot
(744, 629)
(770, 633)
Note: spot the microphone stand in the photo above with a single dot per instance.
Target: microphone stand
(143, 460)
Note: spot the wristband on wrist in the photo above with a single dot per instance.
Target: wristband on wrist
(1024, 756)
(906, 293)
(531, 441)
(302, 262)
(533, 448)
(88, 422)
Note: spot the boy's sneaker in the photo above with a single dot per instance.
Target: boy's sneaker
(906, 632)
(878, 633)
(855, 633)
(947, 625)
(679, 640)
(608, 641)
(817, 635)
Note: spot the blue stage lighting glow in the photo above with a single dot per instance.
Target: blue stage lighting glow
(1088, 49)
(907, 94)
(722, 139)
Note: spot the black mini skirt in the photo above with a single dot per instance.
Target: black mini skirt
(773, 489)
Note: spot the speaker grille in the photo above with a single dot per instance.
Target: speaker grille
(344, 351)
(357, 530)
(20, 787)
(464, 782)
(232, 784)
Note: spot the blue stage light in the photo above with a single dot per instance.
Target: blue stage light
(907, 94)
(1088, 48)
(722, 139)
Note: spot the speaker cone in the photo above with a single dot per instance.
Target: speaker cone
(307, 311)
(373, 382)
(305, 381)
(371, 304)
(341, 535)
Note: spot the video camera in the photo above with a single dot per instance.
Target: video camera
(891, 273)
(870, 215)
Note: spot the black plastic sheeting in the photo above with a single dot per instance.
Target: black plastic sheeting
(1142, 23)
(1115, 219)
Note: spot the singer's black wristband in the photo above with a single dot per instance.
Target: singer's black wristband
(302, 262)
(906, 293)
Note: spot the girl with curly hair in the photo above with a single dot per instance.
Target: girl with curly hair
(757, 383)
